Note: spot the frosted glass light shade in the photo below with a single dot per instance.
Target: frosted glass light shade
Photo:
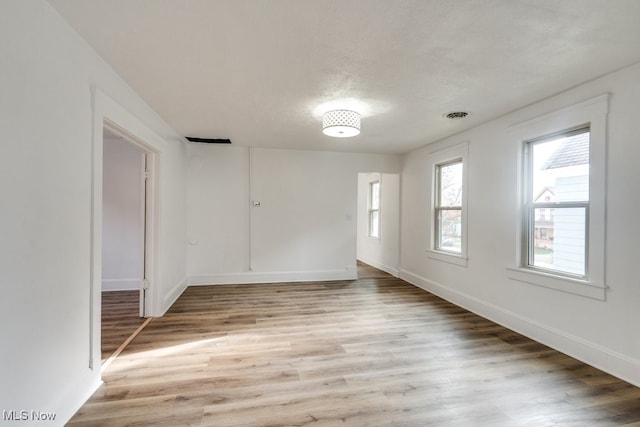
(341, 123)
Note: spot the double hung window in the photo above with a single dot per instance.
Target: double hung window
(448, 207)
(556, 205)
(562, 186)
(448, 234)
(374, 209)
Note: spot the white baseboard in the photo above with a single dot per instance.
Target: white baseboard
(109, 285)
(172, 296)
(391, 270)
(68, 403)
(348, 273)
(614, 363)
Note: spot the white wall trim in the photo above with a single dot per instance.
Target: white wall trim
(563, 284)
(173, 295)
(614, 363)
(110, 285)
(394, 271)
(593, 112)
(107, 112)
(348, 273)
(71, 400)
(446, 257)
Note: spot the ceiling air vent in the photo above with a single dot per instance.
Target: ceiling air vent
(209, 140)
(456, 115)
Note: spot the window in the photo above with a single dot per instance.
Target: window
(560, 240)
(557, 165)
(374, 209)
(448, 207)
(448, 223)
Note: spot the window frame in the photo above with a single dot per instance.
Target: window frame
(438, 209)
(442, 157)
(529, 207)
(591, 113)
(371, 209)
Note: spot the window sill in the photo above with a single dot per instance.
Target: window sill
(563, 284)
(447, 257)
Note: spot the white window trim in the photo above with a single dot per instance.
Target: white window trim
(592, 112)
(456, 152)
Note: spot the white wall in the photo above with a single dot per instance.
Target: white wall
(602, 333)
(122, 216)
(382, 252)
(304, 228)
(46, 118)
(218, 206)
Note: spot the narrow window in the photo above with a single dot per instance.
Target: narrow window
(448, 207)
(556, 205)
(374, 209)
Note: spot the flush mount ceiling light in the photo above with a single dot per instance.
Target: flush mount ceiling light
(341, 123)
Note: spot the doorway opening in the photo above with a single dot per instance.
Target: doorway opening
(378, 224)
(125, 229)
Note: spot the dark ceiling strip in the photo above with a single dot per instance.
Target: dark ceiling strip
(209, 140)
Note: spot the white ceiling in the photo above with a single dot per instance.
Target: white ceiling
(262, 72)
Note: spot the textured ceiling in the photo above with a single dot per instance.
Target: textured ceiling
(262, 72)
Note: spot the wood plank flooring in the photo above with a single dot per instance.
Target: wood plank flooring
(120, 319)
(371, 352)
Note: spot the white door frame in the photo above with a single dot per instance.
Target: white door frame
(146, 213)
(107, 113)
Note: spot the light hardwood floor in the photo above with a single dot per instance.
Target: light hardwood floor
(120, 319)
(371, 352)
